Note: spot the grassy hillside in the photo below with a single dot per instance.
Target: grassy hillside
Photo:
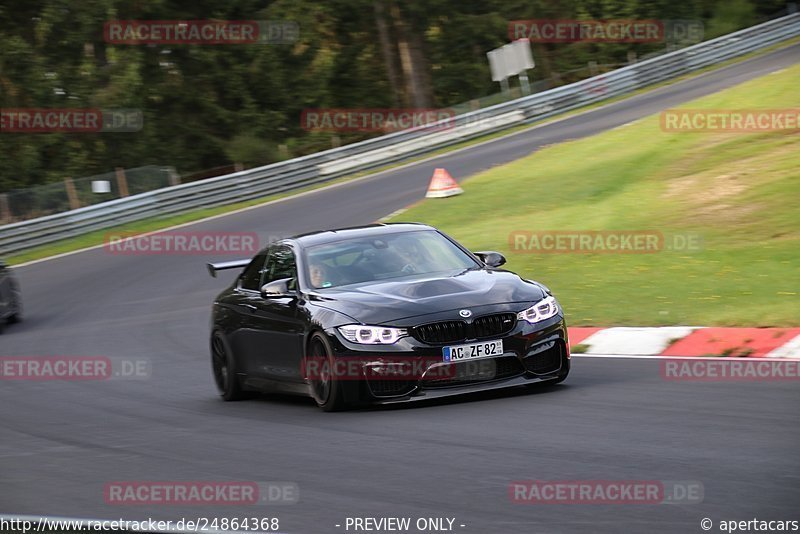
(738, 191)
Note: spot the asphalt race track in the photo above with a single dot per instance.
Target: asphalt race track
(614, 419)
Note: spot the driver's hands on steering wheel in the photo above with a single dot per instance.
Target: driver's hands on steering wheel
(408, 268)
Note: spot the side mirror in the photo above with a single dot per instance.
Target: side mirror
(277, 289)
(491, 258)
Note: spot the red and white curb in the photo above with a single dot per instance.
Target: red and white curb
(687, 341)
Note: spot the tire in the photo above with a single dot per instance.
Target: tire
(16, 317)
(326, 390)
(223, 368)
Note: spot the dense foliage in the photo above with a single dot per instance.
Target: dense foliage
(208, 106)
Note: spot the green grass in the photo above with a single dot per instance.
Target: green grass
(153, 224)
(739, 192)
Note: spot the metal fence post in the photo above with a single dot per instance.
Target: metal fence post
(5, 211)
(72, 195)
(122, 182)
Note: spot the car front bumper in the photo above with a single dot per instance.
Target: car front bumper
(412, 370)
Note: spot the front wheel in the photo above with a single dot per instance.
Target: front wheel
(16, 317)
(326, 389)
(224, 369)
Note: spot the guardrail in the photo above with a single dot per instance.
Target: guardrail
(365, 155)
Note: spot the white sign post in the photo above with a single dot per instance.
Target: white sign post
(522, 51)
(511, 60)
(497, 65)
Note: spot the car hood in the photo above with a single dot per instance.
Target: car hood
(386, 301)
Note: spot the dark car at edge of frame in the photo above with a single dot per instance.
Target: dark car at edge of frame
(10, 297)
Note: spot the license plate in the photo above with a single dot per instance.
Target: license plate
(471, 351)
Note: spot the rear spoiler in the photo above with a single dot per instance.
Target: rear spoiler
(235, 264)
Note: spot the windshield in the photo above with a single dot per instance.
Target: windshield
(358, 260)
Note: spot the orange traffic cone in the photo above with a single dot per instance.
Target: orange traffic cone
(442, 185)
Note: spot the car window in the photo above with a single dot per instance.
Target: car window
(251, 277)
(368, 259)
(281, 264)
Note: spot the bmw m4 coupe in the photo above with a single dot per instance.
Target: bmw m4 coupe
(381, 314)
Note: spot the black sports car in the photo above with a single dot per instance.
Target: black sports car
(10, 299)
(378, 314)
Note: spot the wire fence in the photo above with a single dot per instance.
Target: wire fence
(70, 194)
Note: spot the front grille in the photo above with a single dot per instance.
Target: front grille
(493, 325)
(472, 372)
(391, 388)
(442, 332)
(454, 331)
(508, 367)
(544, 359)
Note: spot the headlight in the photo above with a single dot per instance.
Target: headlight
(372, 335)
(544, 309)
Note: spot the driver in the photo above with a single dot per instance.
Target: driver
(411, 256)
(319, 276)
